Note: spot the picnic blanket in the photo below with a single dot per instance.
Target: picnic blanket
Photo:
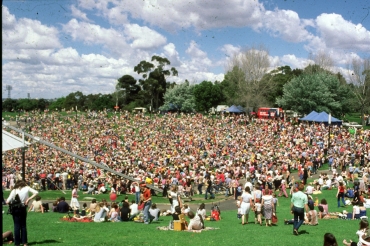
(165, 228)
(76, 220)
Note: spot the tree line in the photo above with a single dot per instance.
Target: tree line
(249, 82)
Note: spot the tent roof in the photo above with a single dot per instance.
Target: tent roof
(11, 141)
(234, 109)
(310, 116)
(320, 117)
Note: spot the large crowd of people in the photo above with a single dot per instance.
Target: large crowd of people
(190, 153)
(176, 148)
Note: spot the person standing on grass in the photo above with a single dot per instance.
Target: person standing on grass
(245, 205)
(75, 205)
(20, 213)
(147, 204)
(209, 189)
(298, 205)
(268, 206)
(340, 193)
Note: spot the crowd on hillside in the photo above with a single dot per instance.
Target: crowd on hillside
(180, 149)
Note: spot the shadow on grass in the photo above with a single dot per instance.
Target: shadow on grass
(303, 232)
(44, 242)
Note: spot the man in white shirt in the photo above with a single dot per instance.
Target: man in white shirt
(134, 211)
(195, 222)
(64, 176)
(309, 189)
(327, 185)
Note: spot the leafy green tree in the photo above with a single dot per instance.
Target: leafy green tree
(57, 104)
(207, 95)
(179, 98)
(27, 104)
(129, 88)
(277, 78)
(75, 99)
(317, 91)
(42, 104)
(9, 105)
(103, 101)
(153, 82)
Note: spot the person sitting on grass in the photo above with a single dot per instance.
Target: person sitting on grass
(62, 206)
(215, 213)
(113, 216)
(155, 212)
(134, 211)
(196, 223)
(175, 215)
(312, 218)
(125, 212)
(8, 237)
(185, 209)
(93, 206)
(202, 211)
(330, 240)
(36, 205)
(323, 209)
(84, 208)
(363, 238)
(101, 214)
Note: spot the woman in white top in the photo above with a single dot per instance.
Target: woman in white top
(175, 198)
(75, 205)
(202, 211)
(245, 204)
(20, 212)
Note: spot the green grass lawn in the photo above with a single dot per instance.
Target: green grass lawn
(48, 229)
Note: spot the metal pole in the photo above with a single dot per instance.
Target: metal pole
(24, 163)
(23, 159)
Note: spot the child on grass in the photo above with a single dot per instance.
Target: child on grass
(238, 203)
(258, 213)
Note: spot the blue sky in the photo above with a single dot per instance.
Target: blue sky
(52, 48)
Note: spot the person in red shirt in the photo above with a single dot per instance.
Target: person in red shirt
(215, 214)
(43, 179)
(147, 204)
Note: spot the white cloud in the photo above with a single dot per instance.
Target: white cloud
(172, 55)
(26, 34)
(295, 62)
(230, 50)
(143, 37)
(79, 14)
(287, 25)
(174, 15)
(339, 33)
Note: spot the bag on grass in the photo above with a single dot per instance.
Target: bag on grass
(274, 219)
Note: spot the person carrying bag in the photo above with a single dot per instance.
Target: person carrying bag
(18, 201)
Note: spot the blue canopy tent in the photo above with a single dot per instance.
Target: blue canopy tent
(310, 116)
(322, 117)
(241, 108)
(234, 109)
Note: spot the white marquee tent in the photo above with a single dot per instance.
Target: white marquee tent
(11, 141)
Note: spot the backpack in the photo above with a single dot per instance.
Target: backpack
(14, 204)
